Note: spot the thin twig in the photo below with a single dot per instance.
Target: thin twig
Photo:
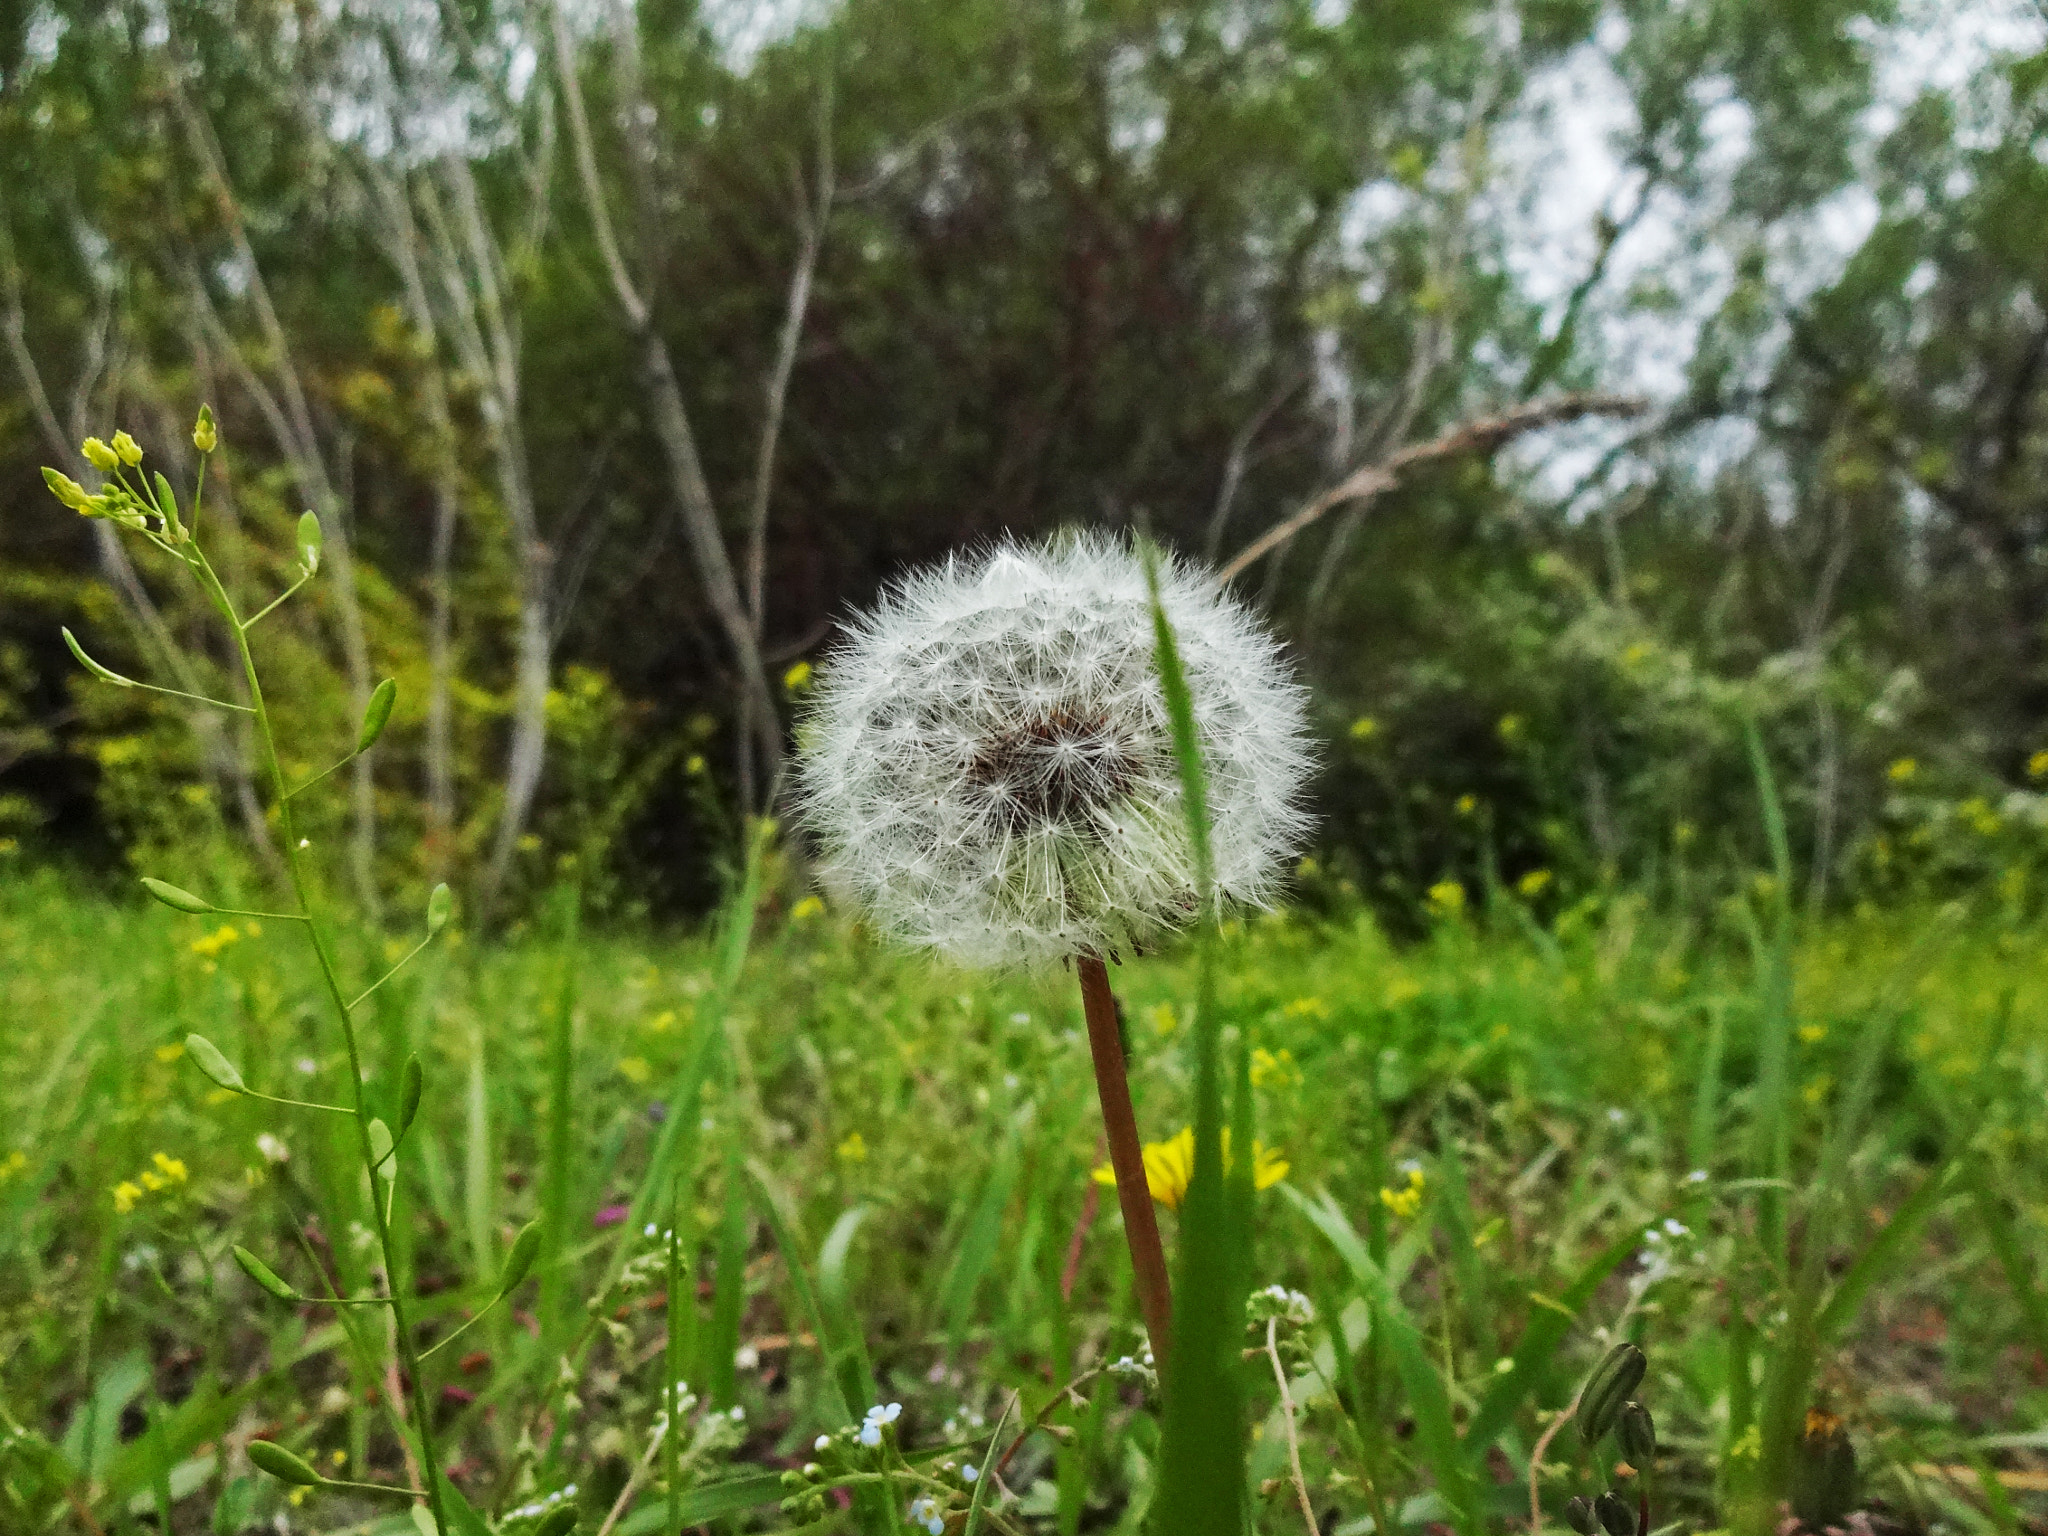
(1287, 1409)
(1536, 1467)
(634, 1483)
(1481, 436)
(1091, 1204)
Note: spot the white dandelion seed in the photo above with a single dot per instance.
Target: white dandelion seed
(989, 767)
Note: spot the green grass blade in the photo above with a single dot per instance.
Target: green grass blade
(977, 1507)
(729, 1288)
(1539, 1342)
(1771, 1136)
(2003, 1235)
(975, 1251)
(1436, 1431)
(1201, 1487)
(557, 1283)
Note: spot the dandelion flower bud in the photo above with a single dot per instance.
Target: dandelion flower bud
(989, 765)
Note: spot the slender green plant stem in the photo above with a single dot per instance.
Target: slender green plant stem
(295, 867)
(1127, 1157)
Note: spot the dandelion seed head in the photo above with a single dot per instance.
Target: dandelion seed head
(989, 767)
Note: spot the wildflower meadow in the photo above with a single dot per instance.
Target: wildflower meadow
(982, 768)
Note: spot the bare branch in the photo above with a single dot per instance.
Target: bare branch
(1484, 435)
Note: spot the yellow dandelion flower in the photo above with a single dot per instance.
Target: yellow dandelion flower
(1170, 1167)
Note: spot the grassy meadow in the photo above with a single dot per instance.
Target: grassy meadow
(1508, 1144)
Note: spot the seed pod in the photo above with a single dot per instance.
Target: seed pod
(281, 1464)
(309, 542)
(1637, 1432)
(179, 900)
(104, 674)
(440, 904)
(167, 499)
(205, 436)
(1823, 1472)
(1610, 1385)
(377, 714)
(519, 1262)
(558, 1523)
(411, 1082)
(207, 1058)
(1578, 1514)
(264, 1275)
(1617, 1516)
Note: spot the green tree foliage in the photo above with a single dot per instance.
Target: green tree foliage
(1171, 266)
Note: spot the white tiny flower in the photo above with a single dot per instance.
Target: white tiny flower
(273, 1150)
(821, 1442)
(1020, 1019)
(746, 1357)
(736, 1413)
(969, 1473)
(1697, 1176)
(870, 1434)
(989, 765)
(650, 1230)
(1675, 1227)
(1616, 1116)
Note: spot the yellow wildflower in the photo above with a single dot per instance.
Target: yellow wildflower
(1402, 989)
(797, 678)
(1164, 1020)
(211, 944)
(1307, 1008)
(1534, 883)
(1274, 1069)
(1364, 728)
(1407, 1200)
(15, 1162)
(2037, 765)
(1813, 1034)
(125, 1196)
(634, 1069)
(170, 1052)
(806, 909)
(1512, 728)
(1170, 1167)
(1467, 804)
(1902, 771)
(1446, 898)
(854, 1149)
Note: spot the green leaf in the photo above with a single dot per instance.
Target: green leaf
(411, 1084)
(104, 674)
(269, 1456)
(165, 498)
(377, 714)
(381, 1148)
(264, 1275)
(732, 1496)
(519, 1262)
(207, 1058)
(177, 899)
(309, 542)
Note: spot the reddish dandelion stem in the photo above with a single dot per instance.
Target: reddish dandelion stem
(1126, 1156)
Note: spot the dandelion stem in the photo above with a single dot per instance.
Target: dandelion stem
(1126, 1156)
